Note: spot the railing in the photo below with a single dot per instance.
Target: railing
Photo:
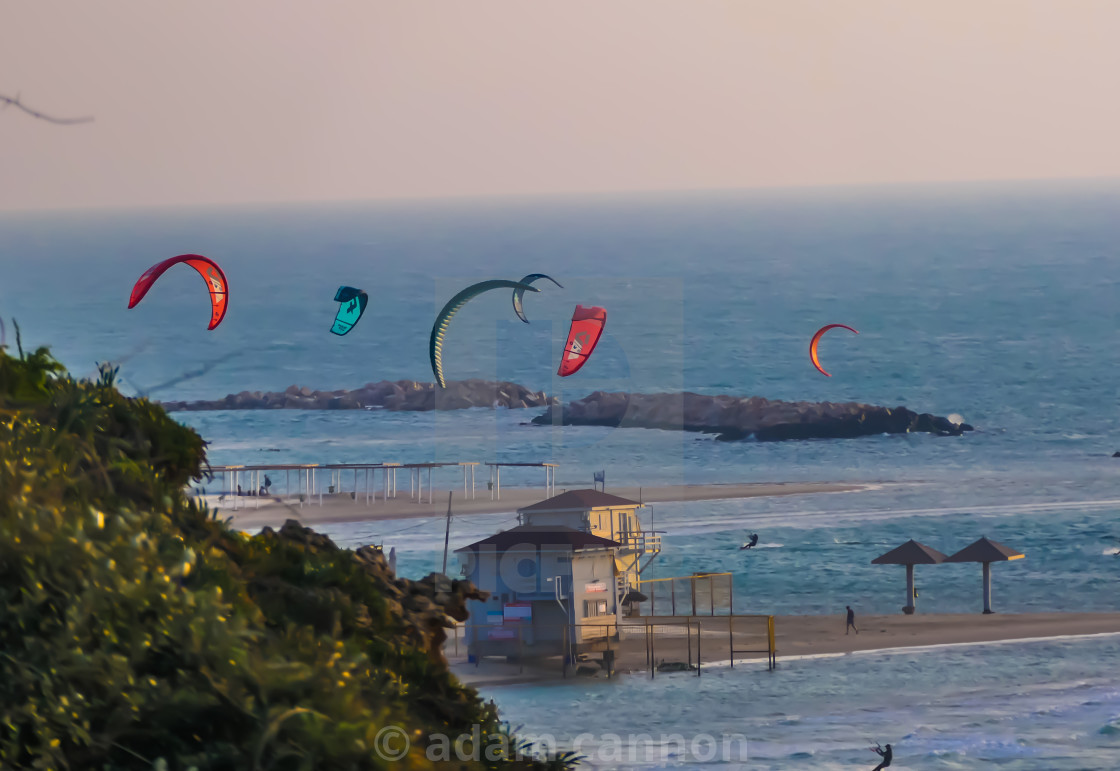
(644, 542)
(688, 595)
(570, 641)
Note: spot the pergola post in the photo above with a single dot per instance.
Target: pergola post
(988, 587)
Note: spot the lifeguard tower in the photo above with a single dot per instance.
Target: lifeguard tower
(606, 516)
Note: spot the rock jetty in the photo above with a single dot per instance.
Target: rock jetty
(400, 395)
(737, 417)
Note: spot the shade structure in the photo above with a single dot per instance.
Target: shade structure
(634, 596)
(910, 554)
(986, 551)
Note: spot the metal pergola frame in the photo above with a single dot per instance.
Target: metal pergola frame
(496, 477)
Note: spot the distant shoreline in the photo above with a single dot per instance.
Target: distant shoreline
(341, 508)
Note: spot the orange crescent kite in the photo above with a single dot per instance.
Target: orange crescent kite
(817, 338)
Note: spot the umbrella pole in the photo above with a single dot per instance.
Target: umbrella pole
(988, 587)
(911, 603)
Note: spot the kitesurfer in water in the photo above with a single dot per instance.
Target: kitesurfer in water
(751, 543)
(886, 753)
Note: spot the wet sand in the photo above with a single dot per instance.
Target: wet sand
(799, 636)
(254, 513)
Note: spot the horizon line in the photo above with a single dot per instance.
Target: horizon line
(538, 196)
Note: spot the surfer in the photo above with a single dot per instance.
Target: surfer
(886, 753)
(752, 542)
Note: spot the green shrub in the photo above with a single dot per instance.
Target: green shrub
(137, 631)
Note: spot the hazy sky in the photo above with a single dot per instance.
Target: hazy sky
(215, 101)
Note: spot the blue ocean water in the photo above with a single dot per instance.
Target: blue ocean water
(994, 302)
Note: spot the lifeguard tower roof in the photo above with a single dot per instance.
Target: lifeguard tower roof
(528, 535)
(579, 500)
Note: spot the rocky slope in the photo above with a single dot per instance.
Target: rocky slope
(401, 395)
(736, 417)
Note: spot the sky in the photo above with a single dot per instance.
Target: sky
(253, 101)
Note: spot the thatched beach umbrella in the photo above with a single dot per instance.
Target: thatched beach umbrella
(910, 554)
(987, 551)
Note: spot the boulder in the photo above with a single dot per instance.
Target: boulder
(735, 418)
(404, 395)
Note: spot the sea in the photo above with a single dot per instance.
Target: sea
(996, 303)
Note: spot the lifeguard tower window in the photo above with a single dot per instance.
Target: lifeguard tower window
(594, 608)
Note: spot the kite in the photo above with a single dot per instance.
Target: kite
(587, 326)
(207, 268)
(520, 293)
(439, 328)
(353, 306)
(817, 338)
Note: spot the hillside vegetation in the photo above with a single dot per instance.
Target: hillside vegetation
(137, 630)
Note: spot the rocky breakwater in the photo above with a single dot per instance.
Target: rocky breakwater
(400, 395)
(737, 417)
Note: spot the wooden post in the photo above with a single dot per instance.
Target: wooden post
(988, 587)
(647, 642)
(688, 634)
(698, 647)
(731, 640)
(770, 641)
(446, 532)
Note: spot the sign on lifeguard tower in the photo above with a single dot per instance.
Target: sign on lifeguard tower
(518, 611)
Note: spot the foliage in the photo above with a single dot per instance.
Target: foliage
(138, 631)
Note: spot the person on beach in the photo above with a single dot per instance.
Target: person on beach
(753, 542)
(852, 625)
(886, 753)
(267, 484)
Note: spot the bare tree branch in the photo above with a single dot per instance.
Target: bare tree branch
(189, 375)
(8, 101)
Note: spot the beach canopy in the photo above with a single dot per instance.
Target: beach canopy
(986, 550)
(911, 553)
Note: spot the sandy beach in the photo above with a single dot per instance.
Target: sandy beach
(254, 513)
(797, 637)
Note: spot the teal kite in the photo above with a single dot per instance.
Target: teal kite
(439, 328)
(353, 306)
(520, 293)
